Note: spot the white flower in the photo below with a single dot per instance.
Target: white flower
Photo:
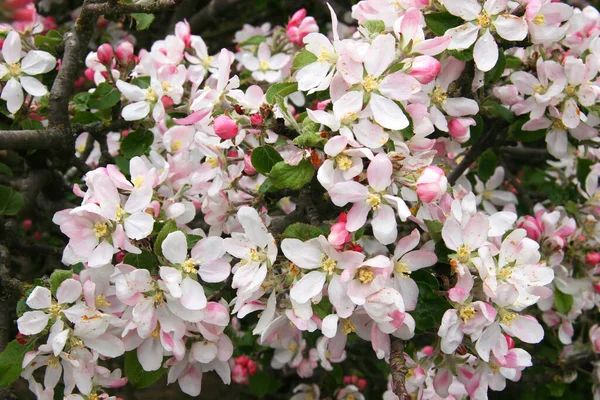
(19, 72)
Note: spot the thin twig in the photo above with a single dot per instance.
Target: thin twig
(399, 369)
(484, 142)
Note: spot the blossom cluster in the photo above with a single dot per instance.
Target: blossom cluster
(366, 124)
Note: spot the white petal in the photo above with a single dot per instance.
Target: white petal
(38, 62)
(485, 52)
(135, 111)
(39, 298)
(387, 113)
(33, 86)
(193, 297)
(32, 322)
(13, 94)
(174, 247)
(511, 27)
(308, 287)
(11, 49)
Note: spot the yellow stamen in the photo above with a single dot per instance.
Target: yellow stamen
(570, 90)
(176, 145)
(14, 70)
(212, 161)
(138, 181)
(328, 265)
(343, 162)
(439, 96)
(264, 65)
(539, 19)
(189, 266)
(120, 213)
(466, 313)
(464, 253)
(156, 332)
(370, 83)
(101, 301)
(484, 20)
(100, 229)
(401, 269)
(365, 275)
(374, 201)
(207, 61)
(151, 95)
(508, 318)
(348, 326)
(324, 56)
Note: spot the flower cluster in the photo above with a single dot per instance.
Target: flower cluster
(301, 187)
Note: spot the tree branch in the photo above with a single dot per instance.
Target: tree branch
(399, 369)
(54, 137)
(484, 142)
(114, 7)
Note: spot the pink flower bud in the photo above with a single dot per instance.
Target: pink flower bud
(509, 341)
(428, 350)
(167, 102)
(459, 129)
(12, 4)
(239, 375)
(425, 69)
(27, 224)
(592, 258)
(105, 53)
(89, 74)
(252, 367)
(225, 127)
(347, 380)
(242, 360)
(298, 17)
(248, 167)
(362, 384)
(257, 120)
(432, 184)
(534, 231)
(338, 234)
(27, 13)
(120, 256)
(125, 53)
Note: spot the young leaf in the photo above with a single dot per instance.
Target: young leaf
(302, 231)
(563, 302)
(280, 89)
(440, 22)
(10, 361)
(287, 115)
(253, 41)
(169, 227)
(143, 21)
(139, 378)
(487, 165)
(144, 260)
(58, 277)
(137, 143)
(291, 176)
(264, 158)
(105, 96)
(11, 201)
(5, 169)
(303, 59)
(374, 26)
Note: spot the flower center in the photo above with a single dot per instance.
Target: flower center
(156, 332)
(464, 253)
(120, 213)
(138, 181)
(212, 161)
(55, 309)
(189, 266)
(365, 275)
(349, 118)
(343, 162)
(374, 201)
(348, 326)
(256, 256)
(207, 61)
(570, 90)
(81, 148)
(293, 347)
(176, 145)
(539, 19)
(324, 56)
(402, 270)
(558, 125)
(100, 230)
(506, 272)
(508, 318)
(264, 65)
(370, 83)
(484, 20)
(539, 89)
(101, 301)
(439, 96)
(53, 361)
(166, 86)
(151, 95)
(328, 265)
(466, 313)
(158, 299)
(14, 70)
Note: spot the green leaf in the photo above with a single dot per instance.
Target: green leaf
(462, 55)
(291, 176)
(563, 302)
(302, 231)
(262, 384)
(280, 89)
(5, 169)
(80, 101)
(144, 260)
(48, 42)
(375, 26)
(583, 169)
(58, 277)
(105, 96)
(440, 22)
(32, 124)
(85, 117)
(137, 143)
(309, 140)
(264, 158)
(10, 361)
(143, 21)
(434, 228)
(430, 305)
(498, 110)
(303, 58)
(11, 201)
(143, 82)
(267, 186)
(169, 227)
(192, 240)
(487, 165)
(513, 62)
(139, 378)
(494, 74)
(557, 389)
(253, 41)
(323, 308)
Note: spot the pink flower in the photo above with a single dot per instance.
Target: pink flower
(125, 53)
(432, 184)
(257, 120)
(425, 69)
(240, 375)
(225, 127)
(595, 337)
(339, 235)
(299, 26)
